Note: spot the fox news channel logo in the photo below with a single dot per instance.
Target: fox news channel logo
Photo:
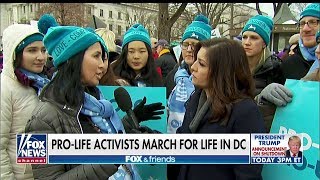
(31, 148)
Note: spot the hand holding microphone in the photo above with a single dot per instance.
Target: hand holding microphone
(124, 102)
(140, 113)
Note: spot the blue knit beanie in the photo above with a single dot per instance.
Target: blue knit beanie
(136, 33)
(260, 24)
(28, 40)
(311, 10)
(63, 42)
(199, 29)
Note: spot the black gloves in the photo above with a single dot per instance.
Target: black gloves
(148, 112)
(143, 113)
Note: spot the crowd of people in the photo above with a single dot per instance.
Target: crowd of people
(50, 76)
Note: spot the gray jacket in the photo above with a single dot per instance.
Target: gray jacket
(53, 117)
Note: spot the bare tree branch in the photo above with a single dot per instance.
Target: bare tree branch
(258, 8)
(166, 22)
(65, 13)
(277, 9)
(177, 14)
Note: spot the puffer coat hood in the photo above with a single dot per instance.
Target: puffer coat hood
(12, 36)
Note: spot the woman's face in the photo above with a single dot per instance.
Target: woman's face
(200, 69)
(252, 43)
(137, 55)
(187, 47)
(92, 65)
(34, 57)
(291, 52)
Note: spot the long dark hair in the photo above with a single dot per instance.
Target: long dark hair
(229, 77)
(66, 84)
(109, 78)
(148, 73)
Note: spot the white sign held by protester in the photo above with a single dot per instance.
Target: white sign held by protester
(177, 51)
(215, 33)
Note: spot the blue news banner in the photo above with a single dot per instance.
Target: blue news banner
(158, 149)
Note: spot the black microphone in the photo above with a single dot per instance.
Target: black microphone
(124, 102)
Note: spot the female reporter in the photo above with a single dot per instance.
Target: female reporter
(71, 102)
(222, 103)
(22, 80)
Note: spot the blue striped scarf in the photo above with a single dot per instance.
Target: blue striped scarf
(39, 80)
(106, 118)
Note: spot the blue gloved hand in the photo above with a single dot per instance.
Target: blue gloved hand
(276, 94)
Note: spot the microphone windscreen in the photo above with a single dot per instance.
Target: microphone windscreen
(123, 99)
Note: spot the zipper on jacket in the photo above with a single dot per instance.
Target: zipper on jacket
(79, 120)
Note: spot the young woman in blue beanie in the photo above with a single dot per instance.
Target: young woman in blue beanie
(22, 80)
(222, 103)
(265, 67)
(71, 102)
(136, 63)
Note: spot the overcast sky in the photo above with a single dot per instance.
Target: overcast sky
(268, 8)
(265, 7)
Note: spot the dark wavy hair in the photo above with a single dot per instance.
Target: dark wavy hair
(148, 73)
(229, 77)
(66, 84)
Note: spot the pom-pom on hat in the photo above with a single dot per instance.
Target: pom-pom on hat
(260, 24)
(63, 42)
(311, 10)
(199, 29)
(136, 33)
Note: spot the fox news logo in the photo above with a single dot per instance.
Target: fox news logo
(31, 149)
(134, 159)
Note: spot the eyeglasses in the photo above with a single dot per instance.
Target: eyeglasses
(185, 45)
(312, 23)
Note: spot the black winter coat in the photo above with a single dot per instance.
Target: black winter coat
(269, 72)
(245, 118)
(295, 66)
(166, 62)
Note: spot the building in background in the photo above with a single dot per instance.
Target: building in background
(118, 17)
